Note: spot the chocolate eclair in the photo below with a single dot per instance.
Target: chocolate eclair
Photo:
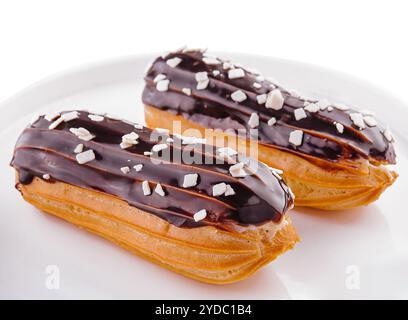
(205, 212)
(332, 156)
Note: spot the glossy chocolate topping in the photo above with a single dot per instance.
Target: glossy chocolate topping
(329, 131)
(257, 197)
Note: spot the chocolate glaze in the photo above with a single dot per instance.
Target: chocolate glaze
(259, 197)
(214, 108)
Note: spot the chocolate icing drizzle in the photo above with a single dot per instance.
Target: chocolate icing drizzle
(259, 197)
(213, 107)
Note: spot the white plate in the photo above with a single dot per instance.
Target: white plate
(359, 253)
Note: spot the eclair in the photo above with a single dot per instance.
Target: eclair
(204, 212)
(333, 157)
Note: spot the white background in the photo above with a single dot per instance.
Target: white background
(364, 38)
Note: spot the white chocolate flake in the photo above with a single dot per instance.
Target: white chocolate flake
(200, 215)
(274, 100)
(162, 85)
(358, 120)
(219, 189)
(82, 133)
(159, 77)
(95, 117)
(253, 120)
(236, 73)
(271, 121)
(261, 99)
(173, 62)
(125, 170)
(85, 157)
(238, 96)
(159, 190)
(186, 91)
(79, 148)
(296, 137)
(190, 180)
(300, 114)
(146, 188)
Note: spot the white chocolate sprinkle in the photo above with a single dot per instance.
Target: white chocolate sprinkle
(388, 135)
(296, 137)
(79, 148)
(341, 106)
(95, 117)
(173, 62)
(169, 140)
(125, 145)
(339, 127)
(229, 191)
(56, 123)
(129, 139)
(138, 126)
(216, 73)
(237, 170)
(200, 215)
(112, 117)
(159, 147)
(271, 121)
(46, 176)
(82, 133)
(219, 189)
(370, 121)
(70, 116)
(201, 76)
(358, 120)
(236, 73)
(329, 108)
(253, 71)
(34, 119)
(146, 188)
(201, 85)
(260, 78)
(323, 104)
(159, 190)
(147, 153)
(186, 91)
(300, 114)
(274, 100)
(238, 96)
(138, 167)
(312, 107)
(190, 180)
(257, 85)
(227, 65)
(162, 85)
(253, 120)
(125, 170)
(211, 61)
(51, 116)
(85, 156)
(261, 99)
(159, 77)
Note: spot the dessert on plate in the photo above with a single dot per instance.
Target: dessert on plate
(204, 212)
(333, 157)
